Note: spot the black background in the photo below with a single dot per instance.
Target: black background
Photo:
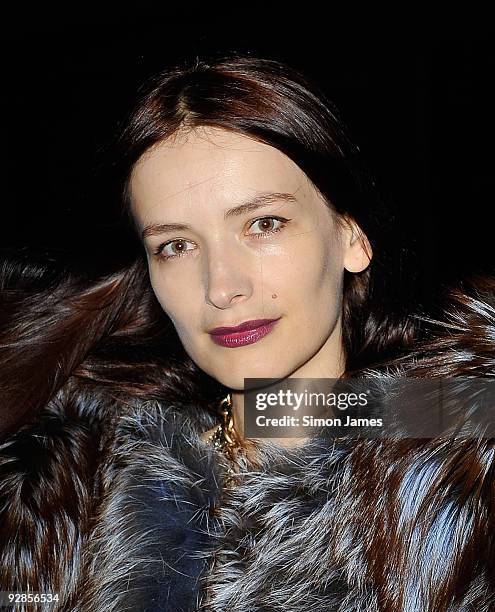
(419, 103)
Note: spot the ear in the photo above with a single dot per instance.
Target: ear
(357, 249)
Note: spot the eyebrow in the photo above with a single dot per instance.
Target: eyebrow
(259, 201)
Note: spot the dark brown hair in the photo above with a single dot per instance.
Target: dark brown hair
(110, 330)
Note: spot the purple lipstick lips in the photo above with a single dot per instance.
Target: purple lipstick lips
(245, 333)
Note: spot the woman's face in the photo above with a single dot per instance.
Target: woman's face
(234, 232)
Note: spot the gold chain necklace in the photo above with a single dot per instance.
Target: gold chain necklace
(225, 438)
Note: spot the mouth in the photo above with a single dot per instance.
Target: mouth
(248, 332)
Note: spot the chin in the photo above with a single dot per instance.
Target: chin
(234, 379)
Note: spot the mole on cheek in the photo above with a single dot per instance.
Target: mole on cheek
(274, 295)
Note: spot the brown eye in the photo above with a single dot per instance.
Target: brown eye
(179, 246)
(268, 225)
(174, 248)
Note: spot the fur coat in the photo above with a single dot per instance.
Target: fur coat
(119, 506)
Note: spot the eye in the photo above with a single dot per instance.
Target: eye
(268, 225)
(173, 248)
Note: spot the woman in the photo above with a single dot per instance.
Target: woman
(127, 482)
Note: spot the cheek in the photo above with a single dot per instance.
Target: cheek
(329, 282)
(175, 297)
(330, 269)
(311, 269)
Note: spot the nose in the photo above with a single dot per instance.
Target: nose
(228, 277)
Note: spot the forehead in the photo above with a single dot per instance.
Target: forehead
(211, 163)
